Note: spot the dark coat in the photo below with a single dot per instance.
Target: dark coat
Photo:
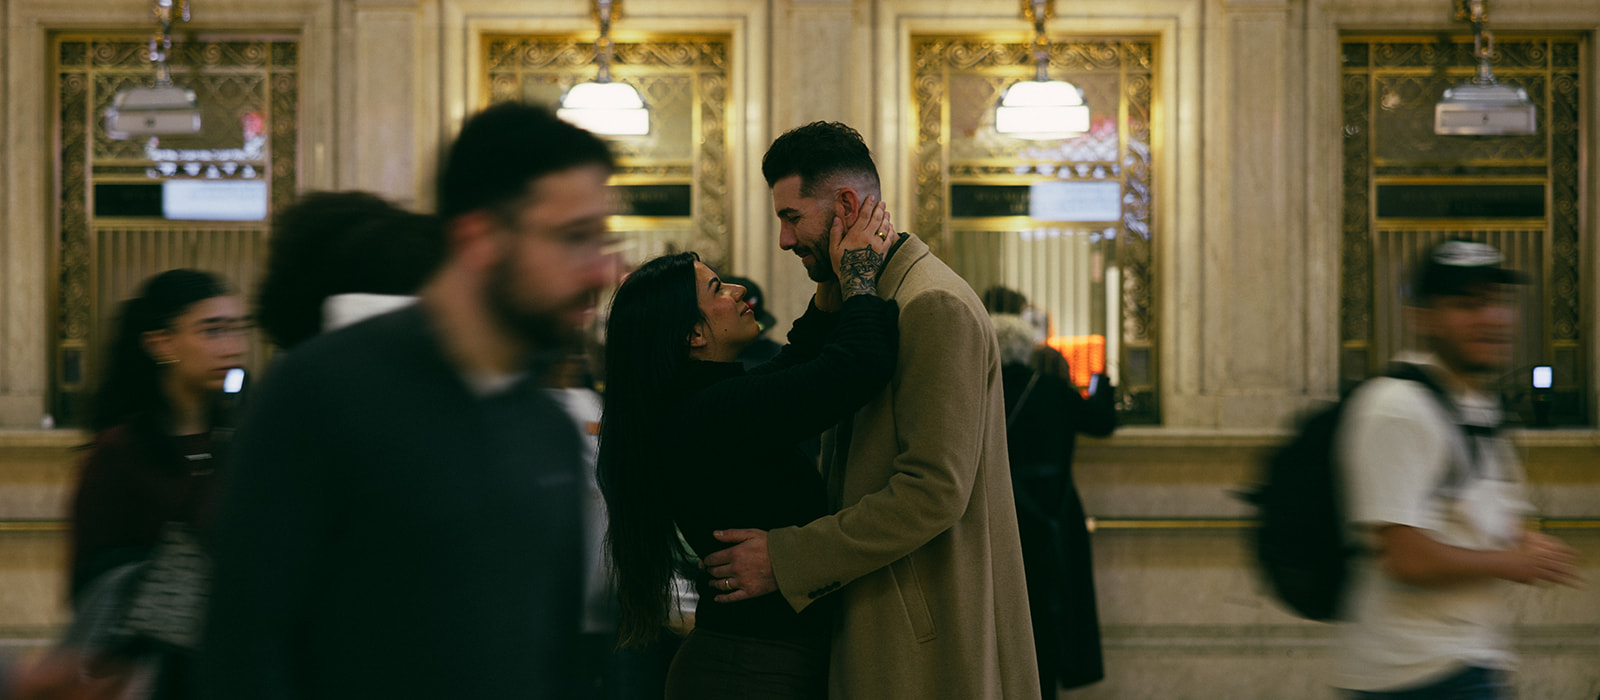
(1055, 542)
(388, 532)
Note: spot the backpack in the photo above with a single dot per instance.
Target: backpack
(1300, 542)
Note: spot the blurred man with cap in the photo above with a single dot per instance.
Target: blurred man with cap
(1434, 494)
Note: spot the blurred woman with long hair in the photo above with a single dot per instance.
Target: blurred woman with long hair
(155, 418)
(692, 443)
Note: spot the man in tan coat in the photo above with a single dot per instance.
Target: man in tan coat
(923, 545)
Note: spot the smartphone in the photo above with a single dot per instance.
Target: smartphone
(233, 382)
(1095, 381)
(1541, 377)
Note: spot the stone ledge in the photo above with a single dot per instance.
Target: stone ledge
(1230, 640)
(33, 438)
(1147, 436)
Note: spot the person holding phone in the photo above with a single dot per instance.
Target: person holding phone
(1044, 414)
(157, 422)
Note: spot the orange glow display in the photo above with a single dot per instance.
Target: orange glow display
(1086, 355)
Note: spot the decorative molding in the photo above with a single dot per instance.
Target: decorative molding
(907, 158)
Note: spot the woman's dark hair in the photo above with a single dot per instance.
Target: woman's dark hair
(647, 344)
(131, 384)
(1004, 300)
(330, 243)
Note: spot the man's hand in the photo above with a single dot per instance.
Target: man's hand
(1540, 557)
(743, 571)
(60, 676)
(858, 254)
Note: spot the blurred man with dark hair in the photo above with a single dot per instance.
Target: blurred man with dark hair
(402, 519)
(328, 244)
(923, 550)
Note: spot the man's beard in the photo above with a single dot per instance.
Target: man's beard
(1458, 361)
(543, 329)
(821, 269)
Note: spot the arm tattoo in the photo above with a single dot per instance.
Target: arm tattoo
(858, 270)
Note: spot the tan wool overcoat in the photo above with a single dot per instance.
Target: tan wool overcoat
(922, 547)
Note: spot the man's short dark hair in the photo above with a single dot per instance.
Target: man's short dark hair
(816, 152)
(329, 243)
(503, 149)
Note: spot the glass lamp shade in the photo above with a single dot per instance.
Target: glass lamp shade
(1042, 110)
(613, 109)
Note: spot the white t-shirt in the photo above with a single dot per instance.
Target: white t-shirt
(1397, 445)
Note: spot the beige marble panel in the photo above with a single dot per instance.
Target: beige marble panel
(1261, 342)
(37, 483)
(382, 121)
(33, 583)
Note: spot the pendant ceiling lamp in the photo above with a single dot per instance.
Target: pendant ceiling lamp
(163, 108)
(1041, 109)
(1483, 106)
(601, 105)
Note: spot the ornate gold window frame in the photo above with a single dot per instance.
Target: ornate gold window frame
(1389, 86)
(101, 260)
(1130, 62)
(684, 79)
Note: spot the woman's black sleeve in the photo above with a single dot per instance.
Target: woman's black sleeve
(786, 405)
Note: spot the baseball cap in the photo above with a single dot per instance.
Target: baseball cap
(1455, 267)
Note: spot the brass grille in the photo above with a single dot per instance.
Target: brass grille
(1396, 253)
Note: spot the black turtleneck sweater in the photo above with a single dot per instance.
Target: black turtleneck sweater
(738, 464)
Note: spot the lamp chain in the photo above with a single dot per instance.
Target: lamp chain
(161, 43)
(606, 12)
(1476, 12)
(1037, 11)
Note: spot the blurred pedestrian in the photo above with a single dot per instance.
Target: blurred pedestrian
(152, 468)
(337, 257)
(404, 516)
(1044, 415)
(1436, 498)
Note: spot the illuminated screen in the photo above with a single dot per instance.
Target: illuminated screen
(214, 200)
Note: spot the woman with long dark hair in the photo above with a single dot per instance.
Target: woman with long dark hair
(692, 443)
(154, 419)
